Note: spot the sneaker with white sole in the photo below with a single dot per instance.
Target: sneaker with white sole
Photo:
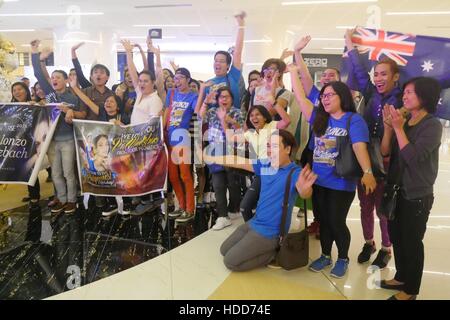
(221, 223)
(234, 215)
(109, 210)
(321, 263)
(340, 268)
(185, 217)
(176, 213)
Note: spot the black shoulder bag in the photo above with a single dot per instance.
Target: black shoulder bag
(347, 165)
(294, 247)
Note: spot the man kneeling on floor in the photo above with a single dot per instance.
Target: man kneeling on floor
(255, 243)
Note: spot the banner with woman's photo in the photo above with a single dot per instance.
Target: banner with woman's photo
(25, 134)
(120, 160)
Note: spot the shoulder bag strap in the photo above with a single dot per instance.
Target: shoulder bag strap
(286, 204)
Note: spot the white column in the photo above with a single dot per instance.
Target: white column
(99, 48)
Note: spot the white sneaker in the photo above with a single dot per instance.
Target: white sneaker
(206, 198)
(234, 215)
(221, 223)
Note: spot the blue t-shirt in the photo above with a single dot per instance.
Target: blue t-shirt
(314, 96)
(230, 80)
(183, 106)
(267, 219)
(325, 152)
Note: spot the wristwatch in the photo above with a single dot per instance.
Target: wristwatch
(368, 171)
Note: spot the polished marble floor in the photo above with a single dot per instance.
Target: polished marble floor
(121, 258)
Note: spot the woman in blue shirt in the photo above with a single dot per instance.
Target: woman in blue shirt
(334, 194)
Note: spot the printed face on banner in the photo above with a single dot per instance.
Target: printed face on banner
(25, 134)
(120, 161)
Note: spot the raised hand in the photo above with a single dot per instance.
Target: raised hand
(240, 18)
(306, 179)
(127, 45)
(348, 38)
(46, 52)
(286, 54)
(205, 85)
(292, 67)
(35, 46)
(349, 33)
(151, 47)
(302, 43)
(73, 81)
(222, 113)
(77, 46)
(397, 119)
(175, 67)
(387, 117)
(211, 98)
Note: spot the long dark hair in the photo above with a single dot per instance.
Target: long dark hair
(36, 97)
(320, 124)
(264, 112)
(120, 107)
(24, 86)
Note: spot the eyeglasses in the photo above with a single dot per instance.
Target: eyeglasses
(327, 96)
(179, 77)
(270, 69)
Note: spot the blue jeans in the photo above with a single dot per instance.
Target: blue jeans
(61, 155)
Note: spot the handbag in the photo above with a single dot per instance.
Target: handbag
(388, 203)
(347, 165)
(293, 251)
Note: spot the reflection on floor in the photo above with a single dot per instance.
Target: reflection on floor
(82, 248)
(45, 254)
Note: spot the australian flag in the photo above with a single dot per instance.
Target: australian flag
(415, 55)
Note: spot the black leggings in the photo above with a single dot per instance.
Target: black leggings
(34, 192)
(333, 206)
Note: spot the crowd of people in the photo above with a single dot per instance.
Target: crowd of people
(248, 140)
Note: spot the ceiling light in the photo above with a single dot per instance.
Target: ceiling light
(295, 3)
(142, 37)
(17, 30)
(331, 48)
(77, 40)
(328, 39)
(209, 35)
(163, 6)
(265, 40)
(411, 13)
(62, 14)
(290, 32)
(345, 27)
(167, 25)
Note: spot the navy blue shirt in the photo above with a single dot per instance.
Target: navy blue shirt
(64, 131)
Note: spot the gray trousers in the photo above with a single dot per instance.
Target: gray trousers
(245, 249)
(61, 155)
